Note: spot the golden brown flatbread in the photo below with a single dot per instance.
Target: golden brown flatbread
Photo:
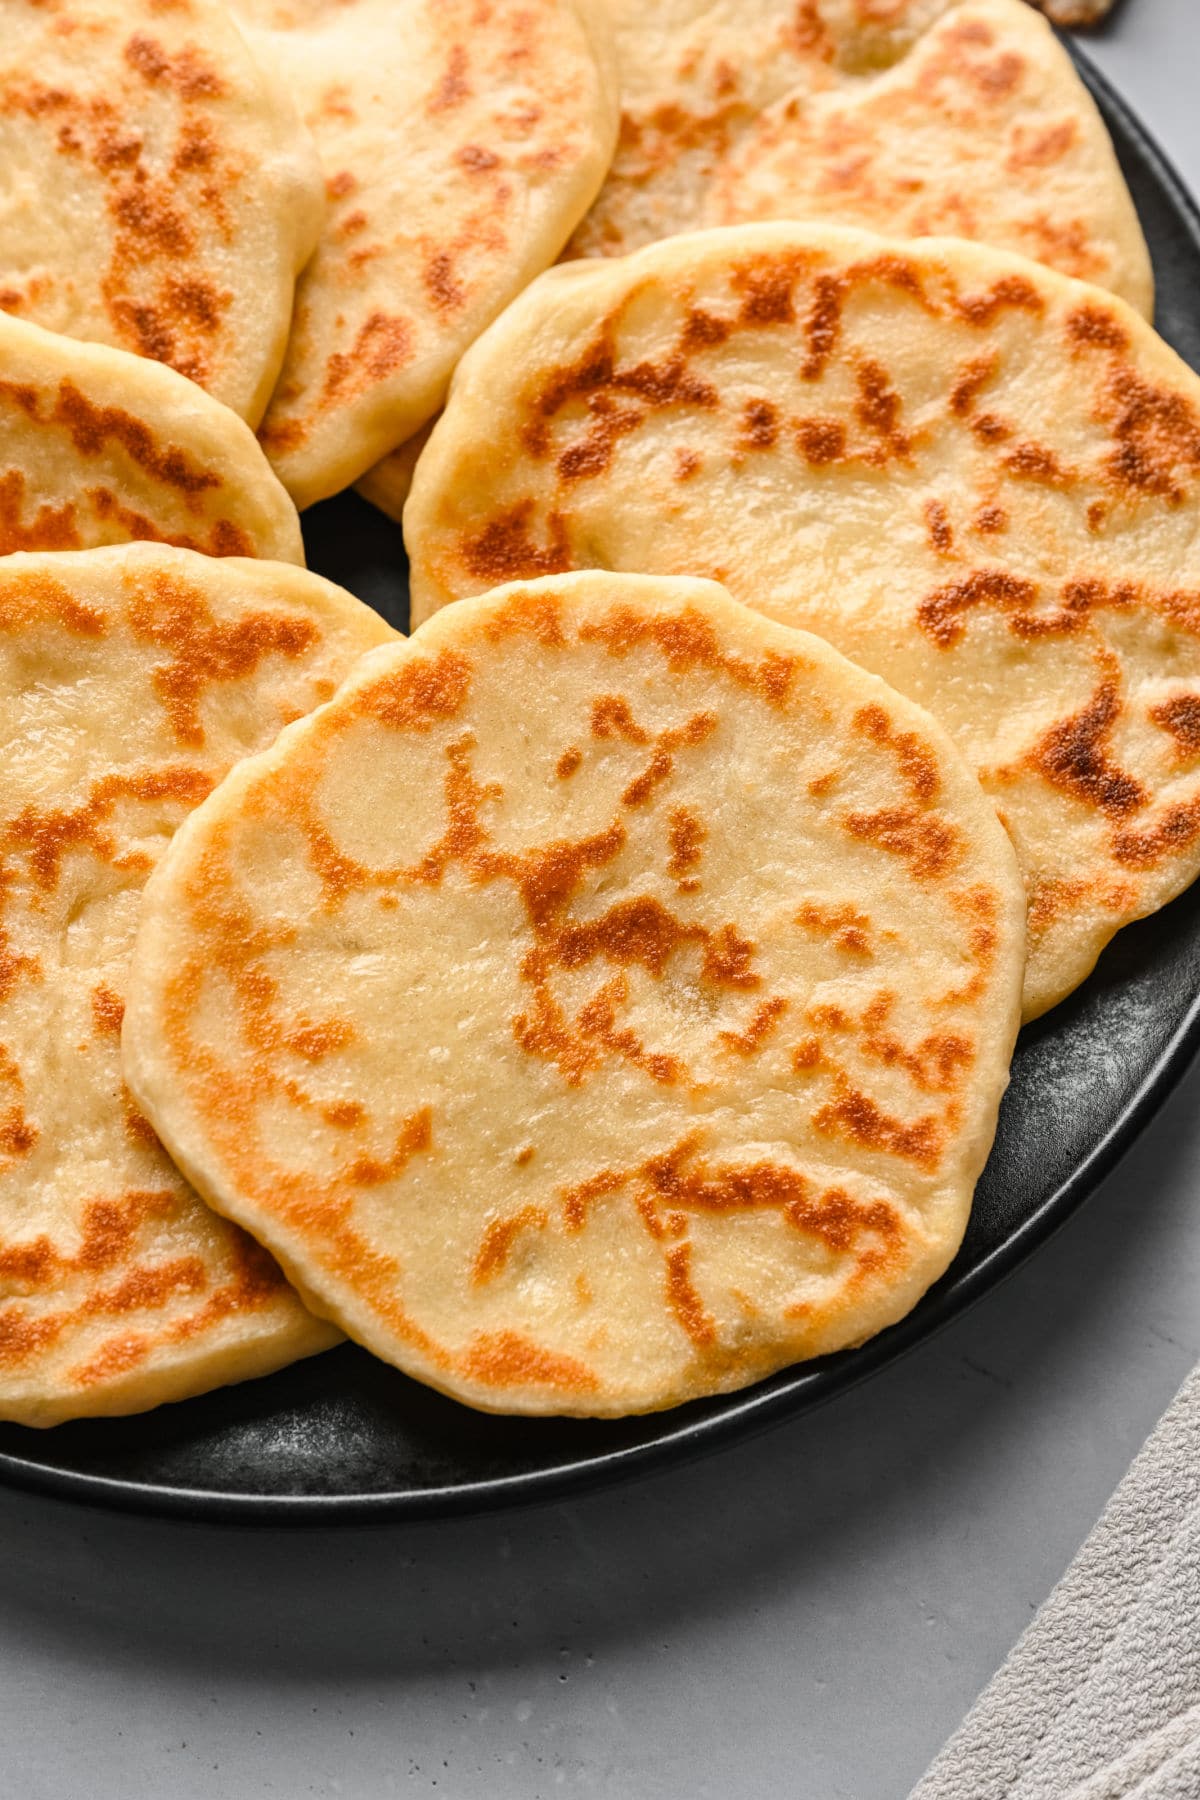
(605, 1001)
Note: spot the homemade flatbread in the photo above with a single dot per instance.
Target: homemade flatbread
(461, 140)
(158, 192)
(131, 679)
(605, 1001)
(916, 117)
(100, 447)
(975, 477)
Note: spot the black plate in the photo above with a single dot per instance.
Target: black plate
(344, 1437)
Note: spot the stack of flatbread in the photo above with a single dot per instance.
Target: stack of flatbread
(603, 997)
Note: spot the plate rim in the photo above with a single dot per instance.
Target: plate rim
(754, 1410)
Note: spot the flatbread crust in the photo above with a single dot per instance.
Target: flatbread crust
(130, 680)
(973, 476)
(956, 118)
(101, 447)
(652, 1042)
(158, 192)
(462, 140)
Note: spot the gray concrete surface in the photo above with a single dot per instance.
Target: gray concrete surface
(808, 1616)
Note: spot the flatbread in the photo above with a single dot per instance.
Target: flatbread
(130, 680)
(462, 140)
(663, 1026)
(158, 192)
(101, 447)
(916, 117)
(975, 477)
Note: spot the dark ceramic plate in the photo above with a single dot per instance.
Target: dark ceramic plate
(344, 1437)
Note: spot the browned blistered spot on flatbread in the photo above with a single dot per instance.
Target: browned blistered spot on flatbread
(972, 377)
(877, 408)
(1073, 755)
(33, 597)
(314, 1040)
(1037, 462)
(849, 928)
(853, 1116)
(421, 694)
(526, 614)
(918, 765)
(171, 613)
(196, 149)
(937, 524)
(612, 717)
(1175, 831)
(822, 323)
(1007, 292)
(688, 641)
(108, 1010)
(158, 228)
(704, 330)
(45, 836)
(760, 425)
(766, 285)
(445, 292)
(225, 538)
(821, 441)
(936, 1064)
(662, 763)
(931, 846)
(990, 428)
(92, 428)
(498, 1239)
(568, 762)
(941, 614)
(1036, 146)
(187, 72)
(683, 1299)
(991, 520)
(383, 344)
(1092, 326)
(596, 1021)
(18, 1133)
(346, 1113)
(596, 371)
(476, 159)
(1180, 717)
(414, 1138)
(505, 550)
(591, 455)
(687, 834)
(453, 87)
(506, 1359)
(1156, 435)
(762, 1023)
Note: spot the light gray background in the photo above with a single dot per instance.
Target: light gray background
(808, 1616)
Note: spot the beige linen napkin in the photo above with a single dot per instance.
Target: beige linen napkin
(1100, 1699)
